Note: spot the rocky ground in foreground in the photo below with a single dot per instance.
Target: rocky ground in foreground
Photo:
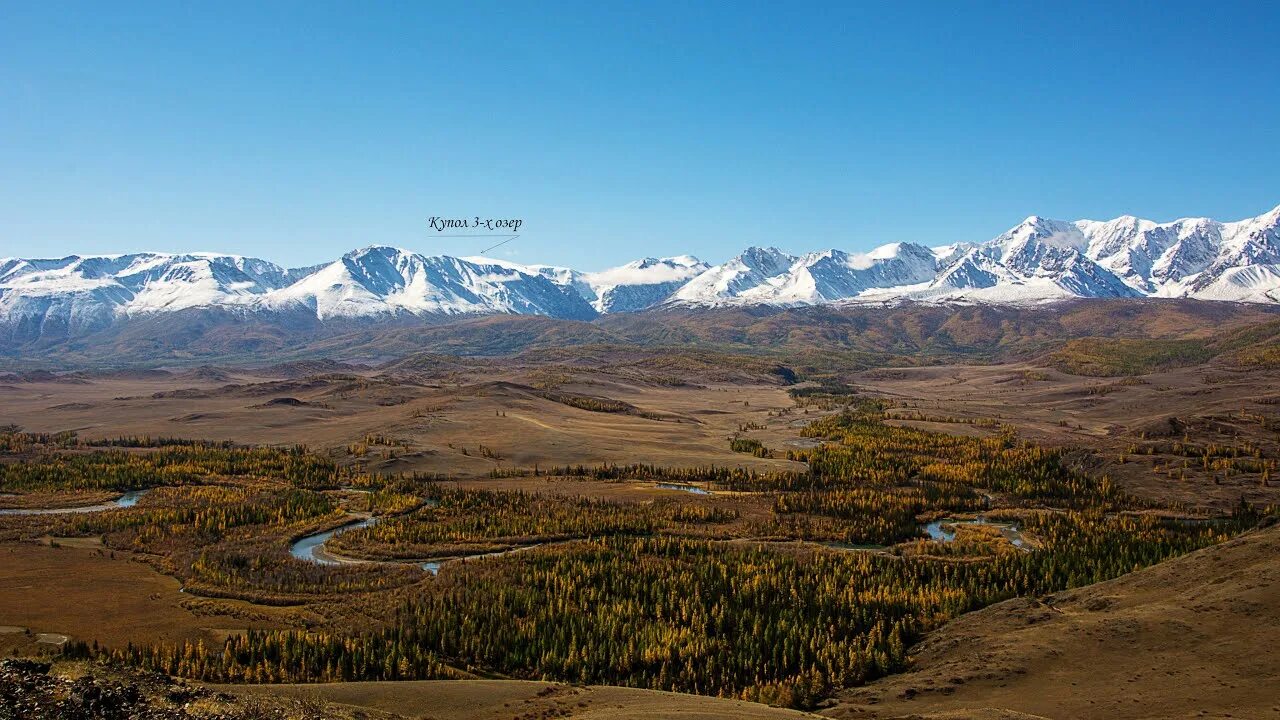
(76, 691)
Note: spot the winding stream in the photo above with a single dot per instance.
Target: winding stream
(938, 530)
(126, 500)
(311, 549)
(684, 488)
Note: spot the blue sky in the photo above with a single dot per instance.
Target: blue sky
(298, 131)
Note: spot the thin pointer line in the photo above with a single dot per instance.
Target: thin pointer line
(504, 242)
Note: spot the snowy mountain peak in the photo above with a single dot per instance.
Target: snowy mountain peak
(723, 284)
(637, 285)
(382, 280)
(640, 284)
(1037, 235)
(763, 255)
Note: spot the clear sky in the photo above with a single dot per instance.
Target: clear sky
(298, 131)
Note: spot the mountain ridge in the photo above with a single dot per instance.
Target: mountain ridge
(1037, 261)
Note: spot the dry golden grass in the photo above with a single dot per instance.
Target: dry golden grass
(1191, 637)
(439, 427)
(80, 590)
(508, 699)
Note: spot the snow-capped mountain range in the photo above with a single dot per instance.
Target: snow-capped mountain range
(1039, 260)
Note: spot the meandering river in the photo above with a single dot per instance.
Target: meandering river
(126, 500)
(684, 488)
(938, 530)
(311, 549)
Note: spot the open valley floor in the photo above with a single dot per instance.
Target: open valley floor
(635, 534)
